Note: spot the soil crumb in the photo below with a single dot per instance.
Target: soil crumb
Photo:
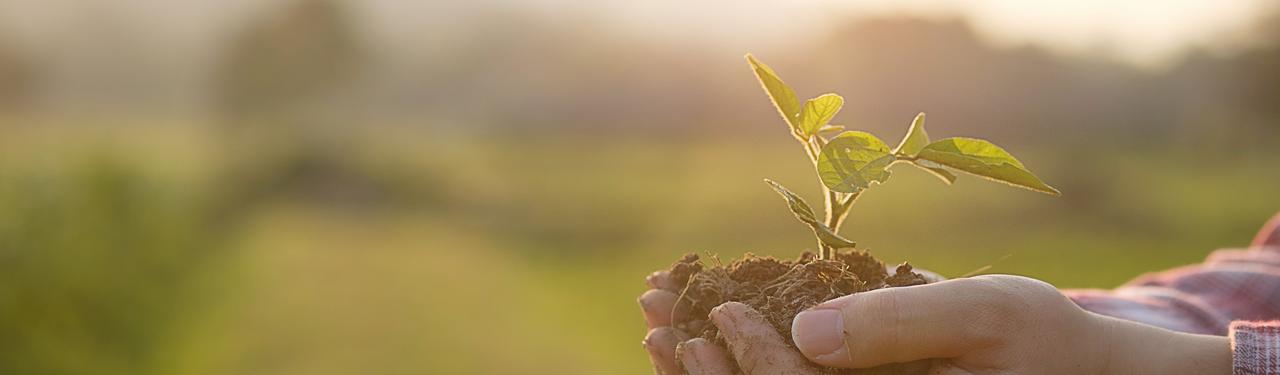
(780, 289)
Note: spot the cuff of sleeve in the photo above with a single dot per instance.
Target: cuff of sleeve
(1255, 348)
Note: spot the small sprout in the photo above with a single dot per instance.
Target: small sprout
(851, 162)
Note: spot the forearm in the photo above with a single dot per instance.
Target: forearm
(1136, 348)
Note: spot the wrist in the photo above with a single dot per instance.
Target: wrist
(1137, 348)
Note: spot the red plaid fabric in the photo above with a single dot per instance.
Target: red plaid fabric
(1234, 292)
(1254, 346)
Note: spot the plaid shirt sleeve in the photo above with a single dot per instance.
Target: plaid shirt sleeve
(1254, 346)
(1234, 293)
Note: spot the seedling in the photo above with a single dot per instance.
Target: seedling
(851, 162)
(848, 163)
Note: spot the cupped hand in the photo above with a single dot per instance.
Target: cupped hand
(995, 324)
(757, 347)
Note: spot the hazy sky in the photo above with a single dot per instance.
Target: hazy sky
(1137, 30)
(1142, 31)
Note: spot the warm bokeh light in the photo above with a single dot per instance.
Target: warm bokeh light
(1151, 33)
(393, 186)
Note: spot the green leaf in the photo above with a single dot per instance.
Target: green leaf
(983, 159)
(830, 238)
(853, 160)
(797, 205)
(818, 112)
(783, 97)
(805, 214)
(914, 141)
(916, 138)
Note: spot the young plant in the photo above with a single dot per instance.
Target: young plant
(853, 161)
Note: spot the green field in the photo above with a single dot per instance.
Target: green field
(412, 251)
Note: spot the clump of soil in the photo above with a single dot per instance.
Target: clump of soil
(780, 289)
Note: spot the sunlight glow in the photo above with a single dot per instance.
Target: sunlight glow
(1145, 32)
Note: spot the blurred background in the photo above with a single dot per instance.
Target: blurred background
(407, 187)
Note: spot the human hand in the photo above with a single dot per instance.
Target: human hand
(756, 345)
(996, 324)
(993, 324)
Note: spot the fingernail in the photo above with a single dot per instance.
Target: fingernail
(661, 342)
(651, 316)
(658, 307)
(661, 345)
(819, 334)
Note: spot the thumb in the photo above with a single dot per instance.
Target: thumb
(941, 320)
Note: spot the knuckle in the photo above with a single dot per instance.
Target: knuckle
(1000, 309)
(1010, 304)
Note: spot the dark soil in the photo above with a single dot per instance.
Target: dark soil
(780, 289)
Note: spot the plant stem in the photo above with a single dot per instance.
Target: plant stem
(812, 147)
(831, 202)
(835, 204)
(836, 216)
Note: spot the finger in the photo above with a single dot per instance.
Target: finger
(658, 306)
(661, 280)
(702, 357)
(941, 320)
(661, 345)
(1270, 233)
(755, 344)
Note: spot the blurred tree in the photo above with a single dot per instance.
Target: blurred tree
(16, 76)
(944, 67)
(1228, 100)
(289, 62)
(1258, 71)
(286, 83)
